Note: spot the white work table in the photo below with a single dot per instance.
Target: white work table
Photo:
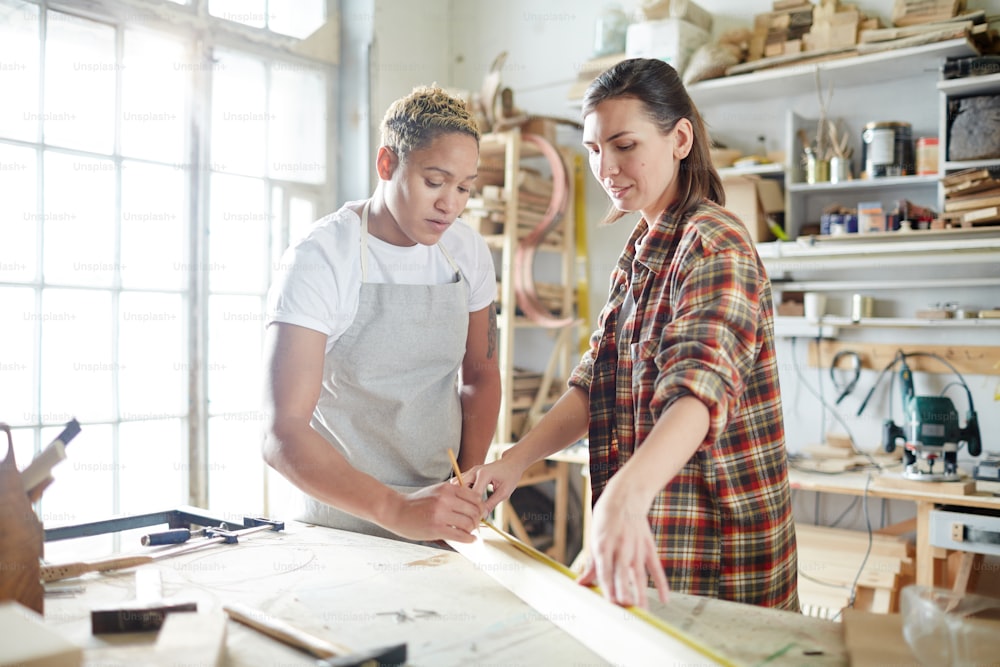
(364, 592)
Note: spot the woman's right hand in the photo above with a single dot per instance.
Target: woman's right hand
(502, 476)
(442, 511)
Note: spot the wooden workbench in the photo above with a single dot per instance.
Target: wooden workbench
(364, 592)
(854, 483)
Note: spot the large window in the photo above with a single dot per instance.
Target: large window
(153, 165)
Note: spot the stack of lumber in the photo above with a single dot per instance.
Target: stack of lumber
(836, 25)
(486, 212)
(831, 558)
(525, 386)
(780, 31)
(550, 294)
(913, 12)
(971, 197)
(589, 71)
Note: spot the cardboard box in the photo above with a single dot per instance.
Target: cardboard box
(670, 40)
(752, 199)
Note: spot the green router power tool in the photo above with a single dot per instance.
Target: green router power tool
(931, 432)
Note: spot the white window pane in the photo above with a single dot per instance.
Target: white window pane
(80, 71)
(301, 214)
(154, 98)
(153, 457)
(79, 220)
(77, 363)
(248, 12)
(152, 356)
(18, 214)
(154, 227)
(239, 227)
(235, 336)
(19, 71)
(83, 491)
(297, 130)
(17, 357)
(235, 466)
(277, 227)
(298, 18)
(239, 114)
(24, 445)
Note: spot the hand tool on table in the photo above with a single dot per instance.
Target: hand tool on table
(332, 655)
(212, 536)
(147, 612)
(38, 474)
(174, 536)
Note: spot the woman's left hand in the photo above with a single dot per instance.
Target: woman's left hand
(622, 549)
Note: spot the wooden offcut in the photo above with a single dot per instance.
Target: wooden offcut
(971, 359)
(21, 536)
(28, 642)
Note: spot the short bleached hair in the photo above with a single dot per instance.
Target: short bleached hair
(414, 121)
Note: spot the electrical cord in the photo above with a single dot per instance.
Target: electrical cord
(868, 551)
(827, 407)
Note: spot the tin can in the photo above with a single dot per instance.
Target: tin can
(862, 307)
(887, 149)
(927, 155)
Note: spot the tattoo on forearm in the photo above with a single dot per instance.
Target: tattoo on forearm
(491, 333)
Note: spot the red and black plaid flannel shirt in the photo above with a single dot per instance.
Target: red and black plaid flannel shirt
(702, 326)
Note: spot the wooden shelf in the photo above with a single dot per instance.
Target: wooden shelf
(862, 70)
(756, 170)
(970, 85)
(886, 183)
(831, 324)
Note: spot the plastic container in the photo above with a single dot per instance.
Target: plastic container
(610, 31)
(941, 628)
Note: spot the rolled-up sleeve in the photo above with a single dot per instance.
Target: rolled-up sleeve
(709, 346)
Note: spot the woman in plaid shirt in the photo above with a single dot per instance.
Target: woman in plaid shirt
(679, 389)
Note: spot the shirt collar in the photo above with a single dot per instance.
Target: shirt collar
(657, 244)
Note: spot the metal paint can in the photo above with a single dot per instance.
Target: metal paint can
(887, 149)
(862, 307)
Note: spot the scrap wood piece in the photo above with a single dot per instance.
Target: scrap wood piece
(602, 626)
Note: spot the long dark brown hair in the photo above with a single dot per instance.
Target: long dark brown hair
(658, 87)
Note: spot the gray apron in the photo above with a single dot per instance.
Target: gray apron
(390, 401)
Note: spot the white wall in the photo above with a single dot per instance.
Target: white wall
(548, 40)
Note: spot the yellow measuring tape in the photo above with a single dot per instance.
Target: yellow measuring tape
(639, 612)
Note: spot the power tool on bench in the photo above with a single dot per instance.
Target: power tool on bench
(930, 431)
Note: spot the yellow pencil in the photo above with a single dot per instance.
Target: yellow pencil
(454, 465)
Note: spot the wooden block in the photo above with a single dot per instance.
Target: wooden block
(28, 642)
(962, 488)
(194, 640)
(875, 640)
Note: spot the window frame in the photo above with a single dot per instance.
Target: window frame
(203, 34)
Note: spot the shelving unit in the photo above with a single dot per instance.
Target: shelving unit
(964, 87)
(854, 70)
(508, 154)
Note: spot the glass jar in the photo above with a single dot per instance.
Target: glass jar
(610, 31)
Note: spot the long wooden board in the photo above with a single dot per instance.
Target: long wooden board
(971, 359)
(618, 635)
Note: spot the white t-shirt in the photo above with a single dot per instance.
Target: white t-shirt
(319, 278)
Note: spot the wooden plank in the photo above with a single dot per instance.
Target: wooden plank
(603, 627)
(962, 488)
(971, 359)
(192, 640)
(36, 644)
